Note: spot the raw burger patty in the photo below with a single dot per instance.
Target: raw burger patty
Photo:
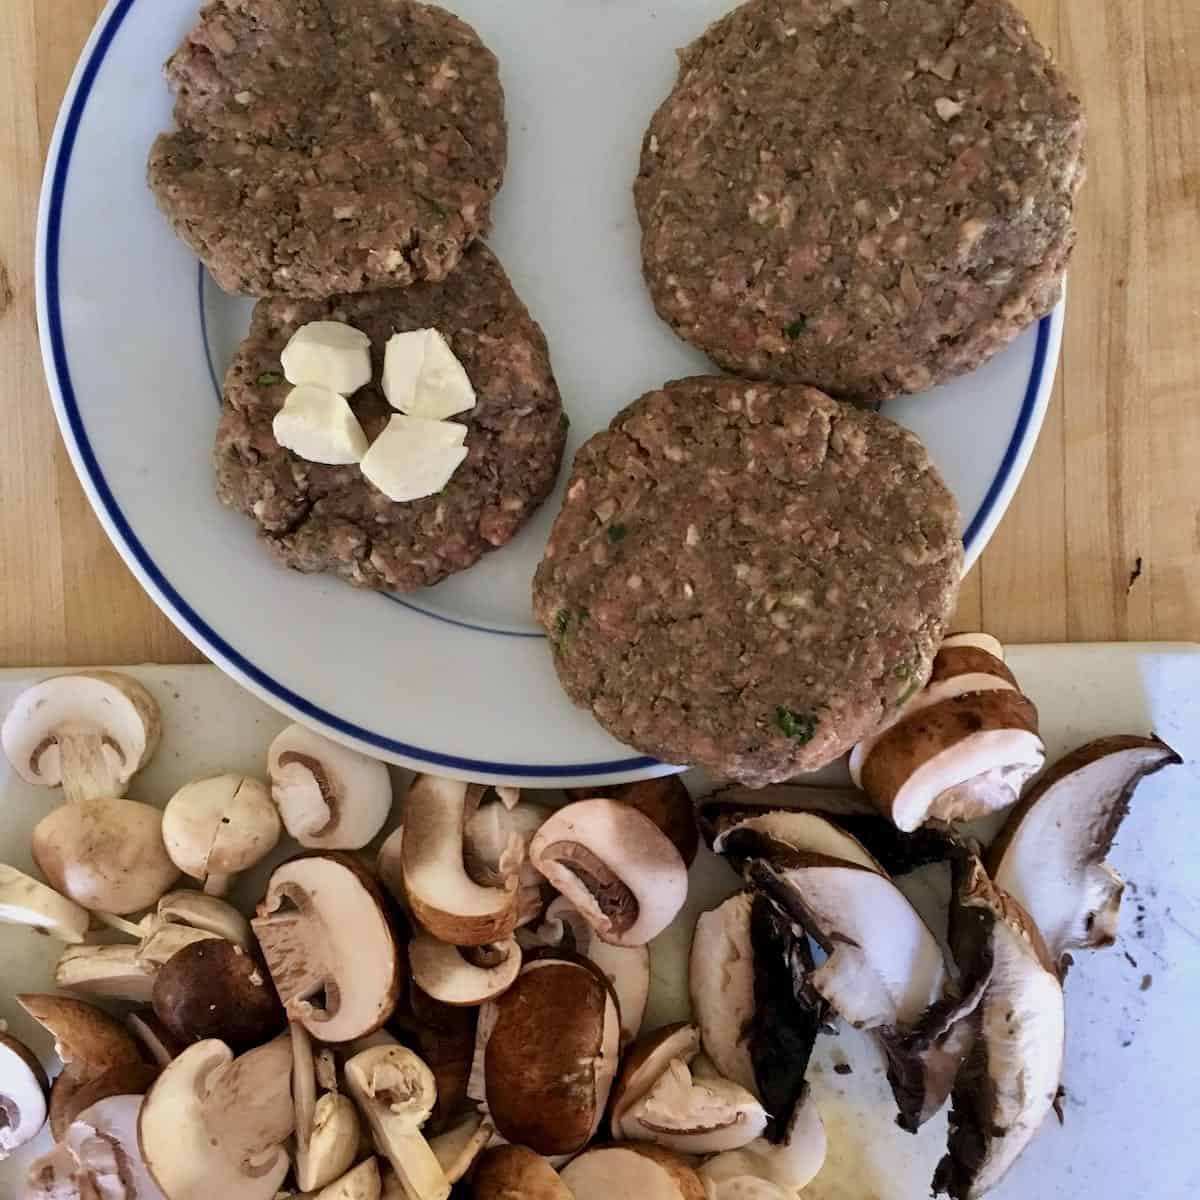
(330, 145)
(748, 577)
(865, 196)
(321, 518)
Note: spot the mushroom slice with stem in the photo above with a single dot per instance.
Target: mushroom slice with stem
(443, 897)
(197, 910)
(337, 987)
(460, 1145)
(636, 1169)
(515, 1173)
(658, 1099)
(329, 796)
(1050, 855)
(105, 854)
(214, 1125)
(1009, 1081)
(107, 972)
(27, 901)
(327, 1126)
(214, 828)
(23, 1091)
(395, 1093)
(665, 800)
(88, 733)
(360, 1183)
(496, 843)
(463, 975)
(616, 866)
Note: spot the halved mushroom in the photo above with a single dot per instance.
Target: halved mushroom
(496, 843)
(360, 1183)
(550, 1055)
(23, 1092)
(395, 1092)
(88, 733)
(657, 1099)
(87, 1040)
(70, 1097)
(1011, 1076)
(108, 972)
(327, 1126)
(460, 1145)
(615, 866)
(1050, 855)
(665, 800)
(197, 910)
(26, 901)
(463, 975)
(515, 1173)
(338, 987)
(329, 796)
(443, 897)
(647, 1172)
(105, 854)
(214, 828)
(214, 1125)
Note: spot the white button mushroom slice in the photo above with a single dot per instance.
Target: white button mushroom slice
(395, 1092)
(329, 796)
(635, 1170)
(27, 901)
(496, 842)
(981, 641)
(463, 975)
(461, 1144)
(443, 897)
(616, 866)
(88, 733)
(167, 939)
(361, 1183)
(320, 427)
(214, 828)
(1050, 855)
(213, 1125)
(327, 1126)
(108, 972)
(337, 986)
(209, 913)
(422, 376)
(23, 1092)
(414, 457)
(328, 354)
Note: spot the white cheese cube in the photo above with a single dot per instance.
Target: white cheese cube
(318, 424)
(422, 376)
(413, 458)
(328, 354)
(403, 358)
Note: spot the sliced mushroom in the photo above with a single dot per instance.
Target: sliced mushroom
(86, 1039)
(214, 1125)
(445, 1040)
(389, 867)
(515, 1173)
(107, 972)
(443, 897)
(461, 1144)
(360, 1183)
(1050, 855)
(23, 1092)
(647, 1172)
(166, 940)
(338, 987)
(327, 1126)
(70, 1096)
(105, 854)
(26, 901)
(1011, 1076)
(550, 1056)
(329, 796)
(981, 641)
(656, 1099)
(496, 843)
(463, 976)
(665, 800)
(395, 1092)
(780, 834)
(88, 733)
(209, 913)
(158, 1043)
(214, 828)
(615, 866)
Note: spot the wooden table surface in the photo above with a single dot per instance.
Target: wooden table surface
(1103, 540)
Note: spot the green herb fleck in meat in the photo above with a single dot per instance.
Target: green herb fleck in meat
(616, 533)
(437, 208)
(903, 670)
(909, 692)
(561, 620)
(797, 327)
(802, 727)
(269, 379)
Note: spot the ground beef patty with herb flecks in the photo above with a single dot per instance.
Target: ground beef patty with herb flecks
(323, 518)
(330, 145)
(865, 196)
(748, 577)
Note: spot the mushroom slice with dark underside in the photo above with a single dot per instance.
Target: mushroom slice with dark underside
(23, 1091)
(1050, 855)
(338, 987)
(616, 866)
(463, 975)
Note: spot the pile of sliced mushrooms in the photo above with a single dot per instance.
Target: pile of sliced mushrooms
(459, 1005)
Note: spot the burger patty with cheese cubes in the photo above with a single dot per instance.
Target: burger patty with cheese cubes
(330, 516)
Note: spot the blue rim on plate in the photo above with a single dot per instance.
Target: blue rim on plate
(189, 621)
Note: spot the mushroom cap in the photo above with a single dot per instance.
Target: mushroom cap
(616, 866)
(664, 799)
(338, 987)
(27, 901)
(445, 1040)
(448, 974)
(635, 1169)
(23, 1091)
(85, 1037)
(89, 732)
(329, 796)
(105, 854)
(516, 1173)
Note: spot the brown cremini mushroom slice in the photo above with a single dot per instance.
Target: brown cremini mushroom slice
(460, 975)
(88, 733)
(496, 842)
(395, 1093)
(106, 972)
(615, 866)
(328, 943)
(445, 1040)
(1050, 855)
(443, 897)
(27, 901)
(86, 1039)
(69, 1096)
(328, 1130)
(515, 1173)
(329, 796)
(23, 1093)
(665, 800)
(105, 854)
(635, 1169)
(362, 1182)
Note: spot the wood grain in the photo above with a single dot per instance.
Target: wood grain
(1103, 539)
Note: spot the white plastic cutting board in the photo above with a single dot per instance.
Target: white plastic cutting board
(1133, 1064)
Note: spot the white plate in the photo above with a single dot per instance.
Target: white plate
(456, 678)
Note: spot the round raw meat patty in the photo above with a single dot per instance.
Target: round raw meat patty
(330, 145)
(864, 196)
(324, 518)
(748, 577)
